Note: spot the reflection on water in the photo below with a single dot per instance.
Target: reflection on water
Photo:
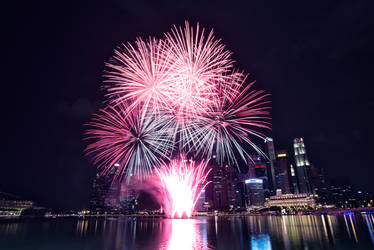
(184, 235)
(369, 219)
(260, 242)
(251, 232)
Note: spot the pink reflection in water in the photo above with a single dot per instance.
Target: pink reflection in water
(184, 234)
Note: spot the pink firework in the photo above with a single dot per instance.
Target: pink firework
(237, 116)
(199, 62)
(141, 74)
(179, 73)
(126, 143)
(181, 91)
(182, 183)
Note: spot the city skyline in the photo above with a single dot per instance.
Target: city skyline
(309, 66)
(252, 189)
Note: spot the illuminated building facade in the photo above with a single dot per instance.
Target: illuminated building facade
(232, 178)
(229, 190)
(13, 207)
(100, 186)
(201, 201)
(302, 167)
(282, 173)
(292, 201)
(105, 196)
(293, 180)
(272, 163)
(220, 188)
(128, 198)
(236, 188)
(254, 191)
(258, 169)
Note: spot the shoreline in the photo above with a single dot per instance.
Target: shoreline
(114, 216)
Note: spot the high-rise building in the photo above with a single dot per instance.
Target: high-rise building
(272, 162)
(314, 178)
(220, 189)
(105, 196)
(235, 186)
(240, 195)
(323, 186)
(202, 199)
(282, 172)
(128, 197)
(112, 199)
(255, 192)
(232, 179)
(259, 169)
(99, 192)
(293, 180)
(302, 167)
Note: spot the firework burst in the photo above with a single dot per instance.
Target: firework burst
(140, 74)
(125, 141)
(182, 183)
(238, 114)
(198, 63)
(180, 90)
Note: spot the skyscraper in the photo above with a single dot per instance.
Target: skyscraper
(282, 172)
(105, 196)
(255, 191)
(220, 188)
(202, 199)
(128, 197)
(272, 158)
(293, 180)
(235, 181)
(99, 190)
(302, 167)
(258, 169)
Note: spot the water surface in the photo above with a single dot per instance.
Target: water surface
(248, 232)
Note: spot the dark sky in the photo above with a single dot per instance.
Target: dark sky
(314, 57)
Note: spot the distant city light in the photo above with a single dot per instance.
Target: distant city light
(268, 139)
(262, 166)
(254, 180)
(281, 155)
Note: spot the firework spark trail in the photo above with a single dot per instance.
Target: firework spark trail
(177, 73)
(141, 74)
(137, 145)
(182, 183)
(237, 113)
(198, 64)
(180, 90)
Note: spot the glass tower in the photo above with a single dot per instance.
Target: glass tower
(272, 173)
(302, 167)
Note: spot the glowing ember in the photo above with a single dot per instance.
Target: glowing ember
(182, 183)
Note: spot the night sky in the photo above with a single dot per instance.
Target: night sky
(314, 57)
